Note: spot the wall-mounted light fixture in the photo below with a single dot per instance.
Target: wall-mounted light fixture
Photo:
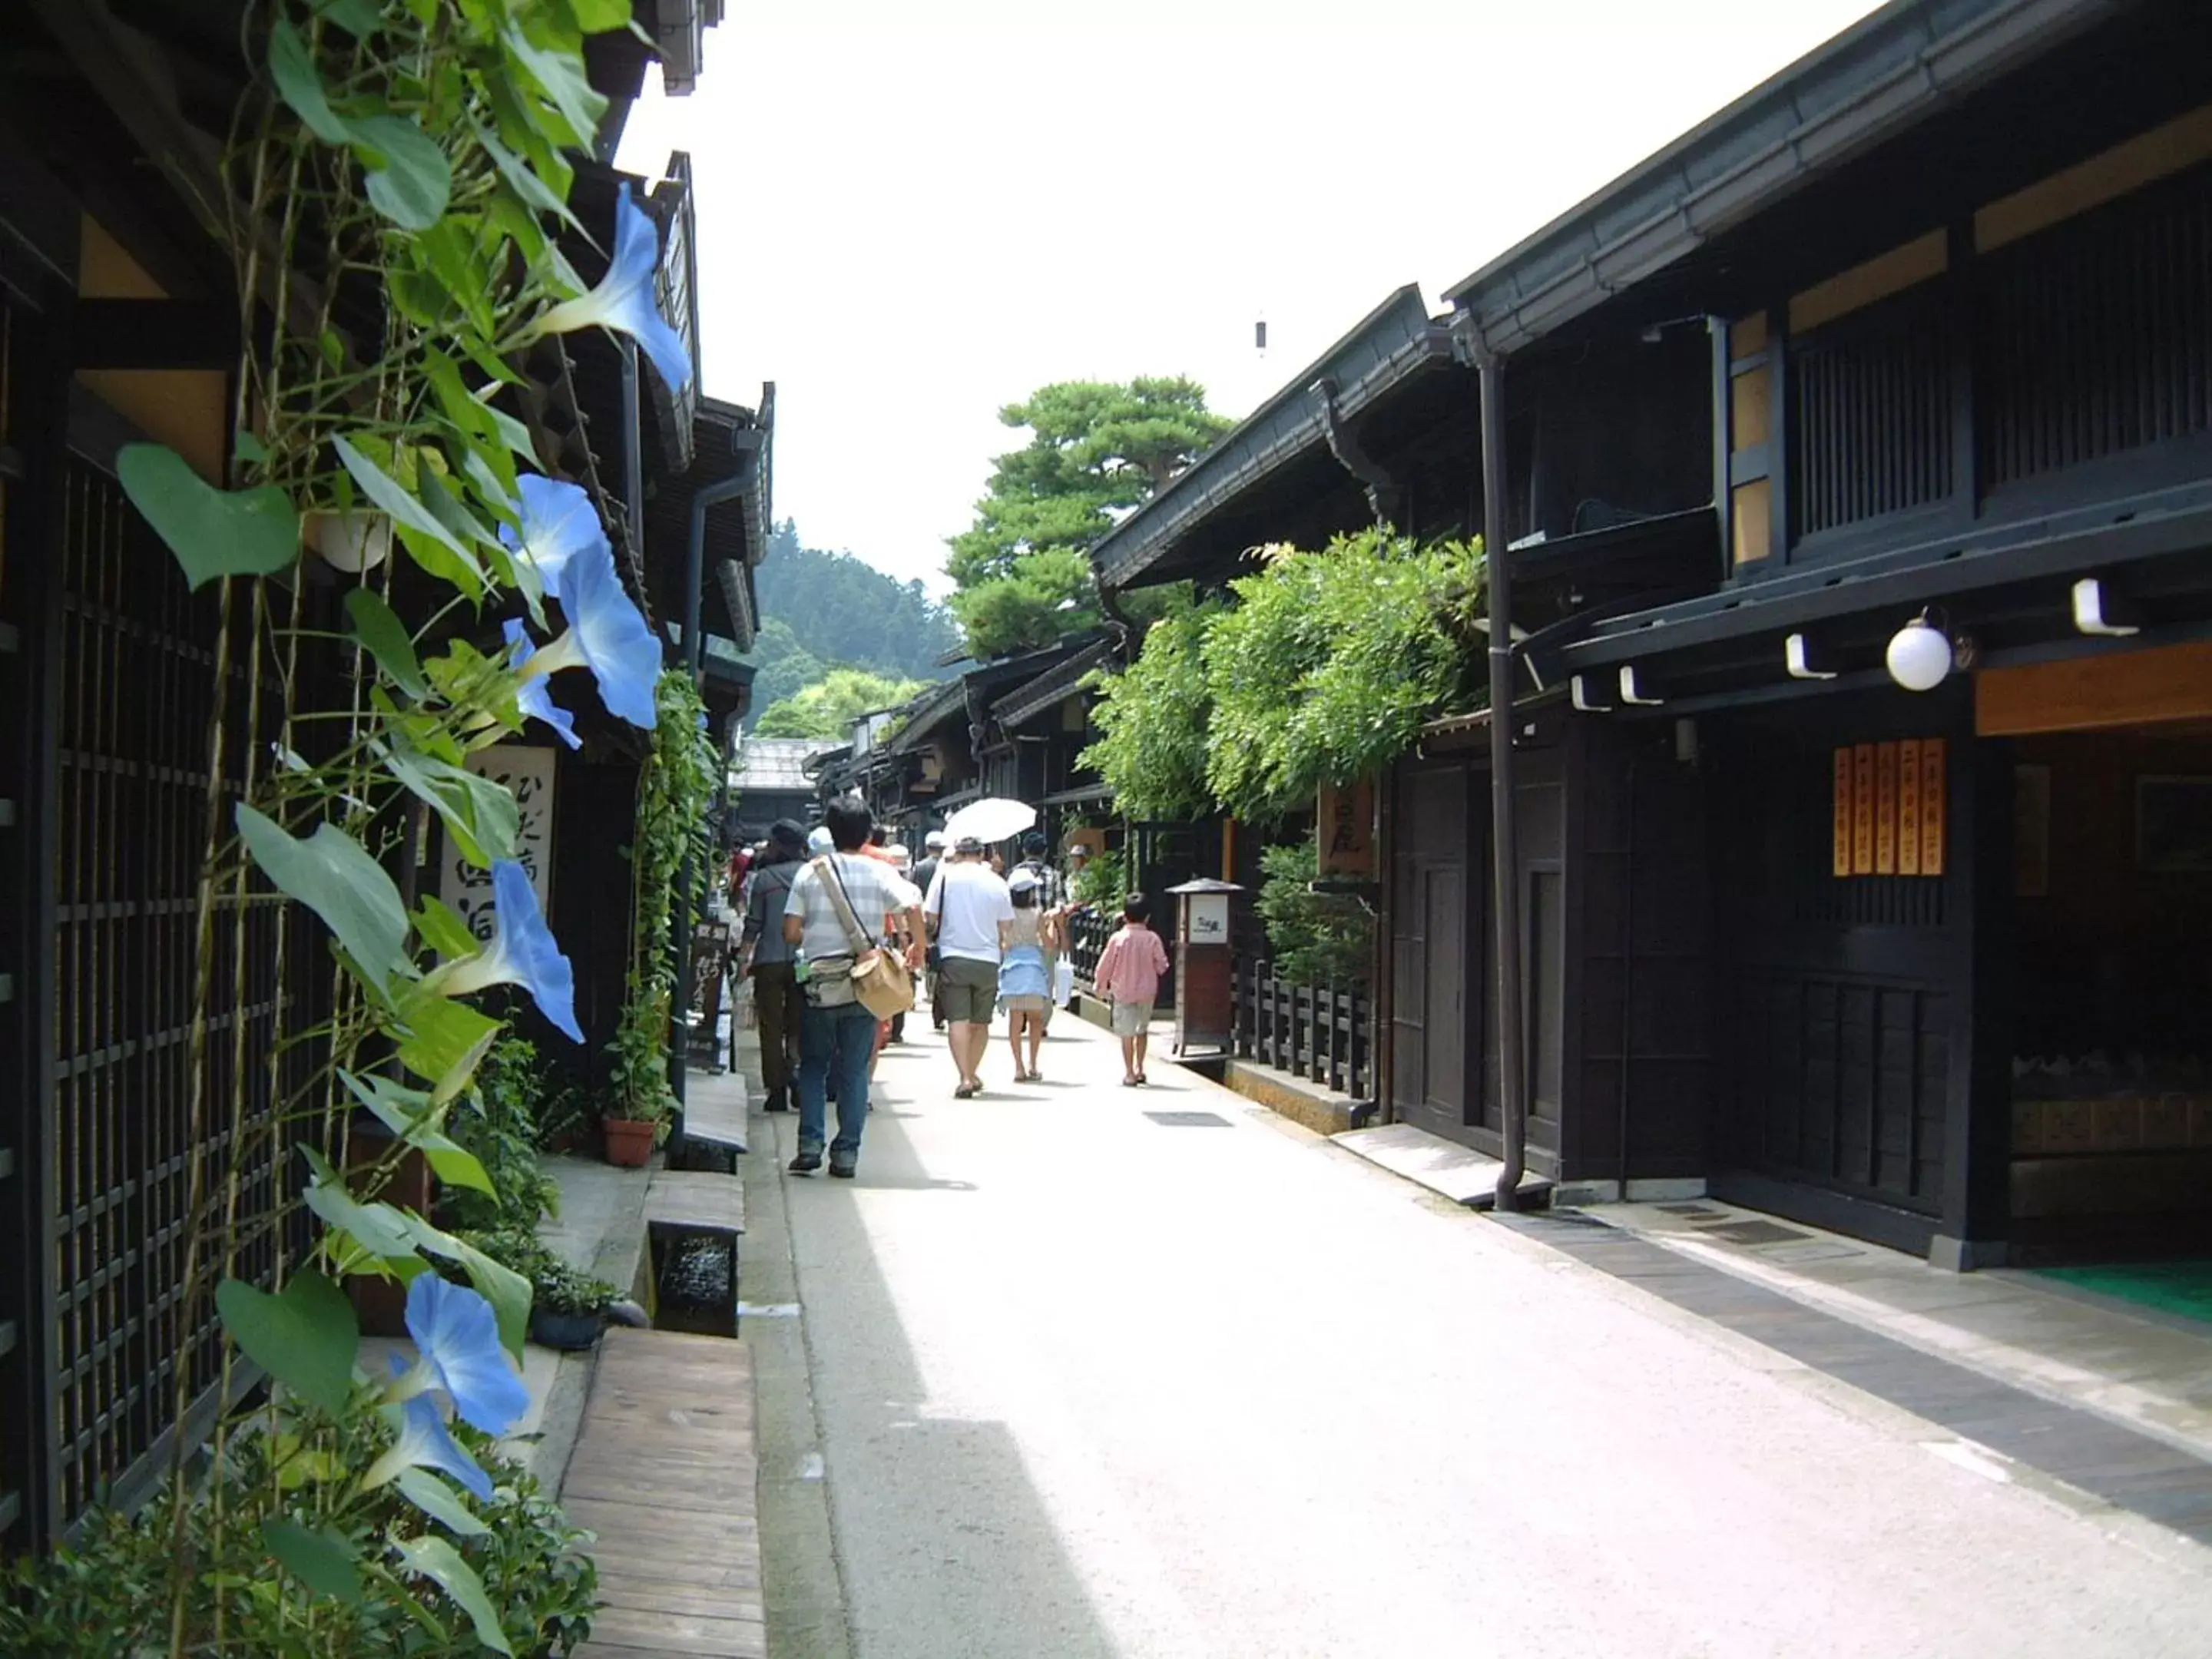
(1804, 659)
(1632, 690)
(1919, 654)
(1582, 700)
(2099, 610)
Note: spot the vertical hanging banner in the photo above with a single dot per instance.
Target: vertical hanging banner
(1843, 812)
(1908, 808)
(1344, 822)
(1863, 809)
(528, 772)
(1932, 803)
(1884, 809)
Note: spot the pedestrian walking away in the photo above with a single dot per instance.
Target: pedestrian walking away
(1129, 972)
(966, 903)
(769, 964)
(1051, 896)
(1025, 972)
(924, 873)
(836, 1029)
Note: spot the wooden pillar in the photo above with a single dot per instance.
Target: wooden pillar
(1978, 1118)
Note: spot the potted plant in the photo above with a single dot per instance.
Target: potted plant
(629, 1140)
(677, 782)
(568, 1307)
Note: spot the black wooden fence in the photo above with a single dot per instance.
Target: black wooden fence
(1311, 1031)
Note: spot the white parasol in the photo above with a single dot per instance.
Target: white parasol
(992, 818)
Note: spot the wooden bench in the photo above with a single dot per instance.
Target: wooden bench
(713, 1125)
(688, 1204)
(667, 1472)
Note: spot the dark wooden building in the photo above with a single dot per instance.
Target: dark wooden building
(1918, 328)
(119, 322)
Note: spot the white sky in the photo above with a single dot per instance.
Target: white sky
(906, 226)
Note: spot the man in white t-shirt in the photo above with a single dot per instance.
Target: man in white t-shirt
(966, 903)
(840, 1032)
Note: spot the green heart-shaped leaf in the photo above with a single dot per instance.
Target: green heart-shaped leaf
(410, 179)
(305, 1336)
(321, 1560)
(480, 815)
(212, 533)
(332, 875)
(414, 1118)
(292, 68)
(443, 930)
(440, 1562)
(444, 1042)
(384, 636)
(440, 1502)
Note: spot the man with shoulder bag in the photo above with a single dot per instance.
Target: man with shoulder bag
(834, 915)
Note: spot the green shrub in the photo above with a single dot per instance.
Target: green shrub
(497, 1120)
(1317, 939)
(555, 1286)
(108, 1596)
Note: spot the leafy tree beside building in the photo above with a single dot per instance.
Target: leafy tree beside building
(1097, 451)
(829, 707)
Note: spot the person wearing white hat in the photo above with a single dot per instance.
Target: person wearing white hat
(818, 840)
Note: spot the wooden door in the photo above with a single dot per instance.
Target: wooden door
(1430, 1018)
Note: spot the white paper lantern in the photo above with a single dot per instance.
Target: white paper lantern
(1919, 655)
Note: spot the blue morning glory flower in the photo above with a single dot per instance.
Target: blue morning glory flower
(522, 951)
(425, 1442)
(606, 634)
(535, 700)
(457, 1336)
(623, 301)
(557, 520)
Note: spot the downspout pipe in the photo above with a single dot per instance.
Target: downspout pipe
(1505, 867)
(746, 441)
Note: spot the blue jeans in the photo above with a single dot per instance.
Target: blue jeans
(845, 1037)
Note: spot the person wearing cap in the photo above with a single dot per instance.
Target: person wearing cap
(966, 903)
(933, 848)
(1025, 972)
(836, 1029)
(768, 963)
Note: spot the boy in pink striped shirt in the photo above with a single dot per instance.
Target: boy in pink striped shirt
(1129, 972)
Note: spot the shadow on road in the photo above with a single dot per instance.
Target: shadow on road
(917, 1584)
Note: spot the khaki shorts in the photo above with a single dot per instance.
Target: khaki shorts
(969, 989)
(1132, 1018)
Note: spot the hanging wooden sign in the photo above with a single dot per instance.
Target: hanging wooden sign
(1345, 825)
(1843, 812)
(1884, 809)
(1932, 812)
(1908, 808)
(1863, 809)
(1888, 808)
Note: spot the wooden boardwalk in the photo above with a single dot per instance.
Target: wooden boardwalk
(665, 1472)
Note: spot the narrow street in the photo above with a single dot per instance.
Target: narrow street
(1090, 1383)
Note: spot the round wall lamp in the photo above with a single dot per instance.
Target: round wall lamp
(1919, 654)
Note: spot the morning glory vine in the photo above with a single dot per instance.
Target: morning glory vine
(424, 146)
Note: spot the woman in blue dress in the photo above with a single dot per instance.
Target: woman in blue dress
(1025, 979)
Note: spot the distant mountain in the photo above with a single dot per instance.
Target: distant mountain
(823, 610)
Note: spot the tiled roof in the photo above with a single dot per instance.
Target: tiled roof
(779, 763)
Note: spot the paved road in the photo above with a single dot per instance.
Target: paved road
(1088, 1384)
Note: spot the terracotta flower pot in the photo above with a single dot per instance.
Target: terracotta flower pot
(629, 1141)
